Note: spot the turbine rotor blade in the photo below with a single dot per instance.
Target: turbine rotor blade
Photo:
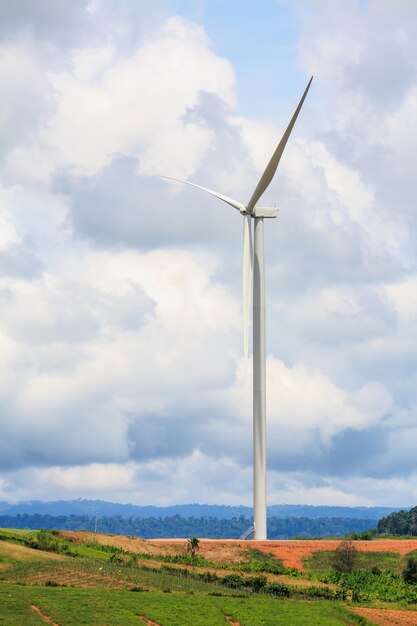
(271, 168)
(247, 280)
(234, 203)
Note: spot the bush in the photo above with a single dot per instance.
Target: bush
(367, 535)
(410, 571)
(113, 558)
(345, 557)
(234, 581)
(279, 589)
(45, 540)
(256, 583)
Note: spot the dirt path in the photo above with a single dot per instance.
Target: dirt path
(43, 617)
(231, 622)
(387, 617)
(147, 621)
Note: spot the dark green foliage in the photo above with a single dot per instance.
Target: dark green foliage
(256, 583)
(114, 558)
(177, 526)
(368, 535)
(345, 557)
(234, 581)
(279, 589)
(410, 570)
(401, 523)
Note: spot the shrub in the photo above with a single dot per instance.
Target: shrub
(345, 557)
(410, 570)
(45, 540)
(279, 589)
(234, 581)
(256, 583)
(367, 535)
(113, 558)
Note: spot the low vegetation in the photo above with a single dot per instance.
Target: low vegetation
(164, 584)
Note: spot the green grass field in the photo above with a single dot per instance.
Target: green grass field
(67, 606)
(78, 581)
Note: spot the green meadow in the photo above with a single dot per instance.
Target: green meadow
(117, 608)
(47, 575)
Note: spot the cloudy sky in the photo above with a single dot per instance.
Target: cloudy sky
(121, 355)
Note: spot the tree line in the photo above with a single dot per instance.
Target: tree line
(178, 526)
(400, 523)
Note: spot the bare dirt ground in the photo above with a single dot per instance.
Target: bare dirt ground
(218, 551)
(147, 621)
(130, 544)
(387, 617)
(43, 617)
(292, 552)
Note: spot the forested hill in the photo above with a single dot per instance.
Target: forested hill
(400, 523)
(177, 526)
(109, 509)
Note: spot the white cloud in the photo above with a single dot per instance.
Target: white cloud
(135, 105)
(305, 408)
(120, 353)
(403, 295)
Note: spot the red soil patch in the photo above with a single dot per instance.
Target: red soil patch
(231, 622)
(387, 617)
(292, 552)
(45, 618)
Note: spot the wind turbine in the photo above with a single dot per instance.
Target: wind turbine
(255, 263)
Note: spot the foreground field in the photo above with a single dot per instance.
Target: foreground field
(67, 606)
(86, 578)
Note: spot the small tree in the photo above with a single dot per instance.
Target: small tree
(193, 546)
(410, 570)
(345, 557)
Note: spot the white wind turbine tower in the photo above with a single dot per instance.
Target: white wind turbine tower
(256, 263)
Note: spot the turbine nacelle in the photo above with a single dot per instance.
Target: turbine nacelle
(262, 211)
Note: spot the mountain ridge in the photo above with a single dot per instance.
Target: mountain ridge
(105, 508)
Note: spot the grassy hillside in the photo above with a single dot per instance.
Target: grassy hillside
(120, 608)
(82, 578)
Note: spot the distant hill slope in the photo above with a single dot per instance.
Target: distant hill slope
(400, 523)
(102, 508)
